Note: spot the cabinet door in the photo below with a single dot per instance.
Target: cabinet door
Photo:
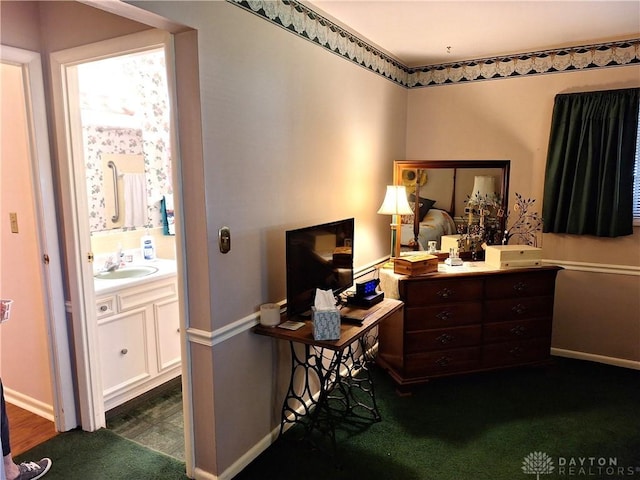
(123, 350)
(167, 334)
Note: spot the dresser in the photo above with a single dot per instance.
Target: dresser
(455, 323)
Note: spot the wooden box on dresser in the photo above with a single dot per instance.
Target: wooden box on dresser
(457, 323)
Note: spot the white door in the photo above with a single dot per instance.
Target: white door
(65, 65)
(44, 262)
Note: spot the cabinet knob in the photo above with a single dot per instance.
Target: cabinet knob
(124, 351)
(516, 351)
(445, 293)
(444, 315)
(445, 338)
(443, 361)
(103, 308)
(519, 309)
(520, 287)
(518, 330)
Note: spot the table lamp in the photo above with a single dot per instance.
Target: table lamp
(395, 203)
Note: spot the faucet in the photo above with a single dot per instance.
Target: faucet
(111, 265)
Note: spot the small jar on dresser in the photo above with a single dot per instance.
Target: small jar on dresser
(468, 320)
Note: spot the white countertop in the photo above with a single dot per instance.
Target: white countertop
(166, 269)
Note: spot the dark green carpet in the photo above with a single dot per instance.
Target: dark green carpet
(463, 428)
(482, 427)
(103, 455)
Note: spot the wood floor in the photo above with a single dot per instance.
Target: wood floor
(27, 429)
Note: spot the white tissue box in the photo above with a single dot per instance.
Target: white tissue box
(448, 242)
(512, 256)
(326, 324)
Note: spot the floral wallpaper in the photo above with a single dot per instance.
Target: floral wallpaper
(146, 77)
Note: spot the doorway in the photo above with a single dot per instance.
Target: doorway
(30, 251)
(116, 126)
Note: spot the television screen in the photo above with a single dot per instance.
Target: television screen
(319, 256)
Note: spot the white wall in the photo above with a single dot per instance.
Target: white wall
(293, 135)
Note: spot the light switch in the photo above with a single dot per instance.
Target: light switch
(13, 218)
(224, 239)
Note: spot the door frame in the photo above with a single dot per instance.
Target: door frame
(60, 362)
(82, 293)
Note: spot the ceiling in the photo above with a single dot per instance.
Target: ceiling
(429, 32)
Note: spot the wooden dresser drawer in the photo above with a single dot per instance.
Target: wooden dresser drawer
(445, 338)
(531, 284)
(416, 293)
(442, 362)
(443, 316)
(513, 353)
(517, 308)
(518, 330)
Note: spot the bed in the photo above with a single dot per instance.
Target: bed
(434, 224)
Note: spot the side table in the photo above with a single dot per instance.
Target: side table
(337, 369)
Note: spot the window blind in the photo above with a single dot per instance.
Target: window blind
(636, 179)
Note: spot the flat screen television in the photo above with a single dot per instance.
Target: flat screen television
(318, 256)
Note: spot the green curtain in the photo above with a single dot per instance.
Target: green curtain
(588, 188)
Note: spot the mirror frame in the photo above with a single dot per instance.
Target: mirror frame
(504, 165)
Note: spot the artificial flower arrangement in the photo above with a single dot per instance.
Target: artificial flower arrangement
(526, 224)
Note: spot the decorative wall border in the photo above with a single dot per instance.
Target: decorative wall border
(601, 55)
(301, 20)
(310, 25)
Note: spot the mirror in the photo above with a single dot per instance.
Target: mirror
(444, 193)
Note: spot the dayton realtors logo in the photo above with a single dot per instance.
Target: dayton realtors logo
(539, 463)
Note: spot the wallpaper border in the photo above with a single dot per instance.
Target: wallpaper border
(304, 22)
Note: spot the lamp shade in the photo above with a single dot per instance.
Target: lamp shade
(483, 188)
(395, 202)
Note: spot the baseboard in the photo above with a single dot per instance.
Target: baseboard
(250, 455)
(592, 357)
(30, 404)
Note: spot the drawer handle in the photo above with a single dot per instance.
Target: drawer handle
(516, 351)
(444, 315)
(445, 338)
(443, 361)
(445, 293)
(103, 308)
(520, 287)
(518, 330)
(519, 309)
(124, 351)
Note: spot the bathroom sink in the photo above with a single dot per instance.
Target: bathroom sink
(127, 272)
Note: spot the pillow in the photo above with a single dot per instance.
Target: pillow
(424, 204)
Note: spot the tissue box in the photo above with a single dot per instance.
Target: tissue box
(415, 264)
(512, 256)
(326, 324)
(449, 241)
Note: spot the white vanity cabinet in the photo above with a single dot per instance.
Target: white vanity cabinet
(139, 339)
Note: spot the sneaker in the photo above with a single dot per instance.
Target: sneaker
(34, 470)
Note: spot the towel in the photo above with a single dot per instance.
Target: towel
(135, 199)
(168, 215)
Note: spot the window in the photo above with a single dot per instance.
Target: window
(636, 180)
(592, 179)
